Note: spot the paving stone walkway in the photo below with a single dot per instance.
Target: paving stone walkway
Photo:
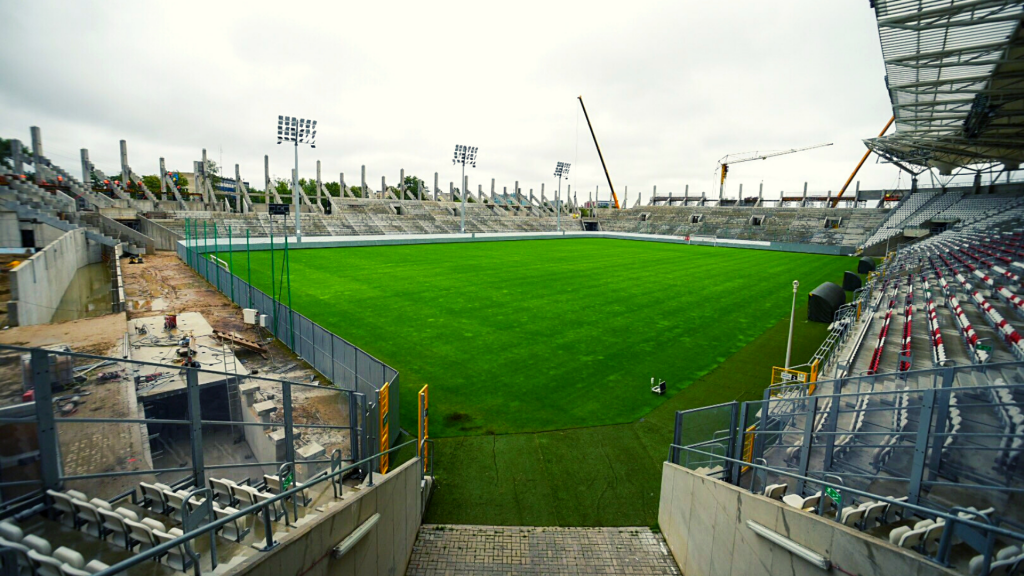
(447, 550)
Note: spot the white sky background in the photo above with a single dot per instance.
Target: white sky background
(670, 86)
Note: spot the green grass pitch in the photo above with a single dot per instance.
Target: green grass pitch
(539, 356)
(538, 335)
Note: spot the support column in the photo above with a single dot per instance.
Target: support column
(760, 193)
(19, 168)
(86, 170)
(344, 189)
(266, 179)
(436, 189)
(46, 428)
(126, 172)
(362, 182)
(163, 182)
(37, 153)
(195, 426)
(856, 195)
(401, 184)
(319, 185)
(803, 202)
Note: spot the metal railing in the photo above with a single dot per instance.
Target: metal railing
(341, 362)
(976, 530)
(52, 474)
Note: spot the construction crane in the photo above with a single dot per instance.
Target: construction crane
(724, 162)
(615, 197)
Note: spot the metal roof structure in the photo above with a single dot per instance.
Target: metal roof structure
(955, 75)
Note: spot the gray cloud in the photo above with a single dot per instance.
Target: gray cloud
(671, 87)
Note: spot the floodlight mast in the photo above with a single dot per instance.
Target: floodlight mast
(464, 155)
(297, 130)
(561, 169)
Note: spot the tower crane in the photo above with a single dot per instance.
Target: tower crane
(725, 161)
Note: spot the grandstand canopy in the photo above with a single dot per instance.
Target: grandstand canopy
(955, 75)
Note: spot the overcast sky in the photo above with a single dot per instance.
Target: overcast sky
(671, 87)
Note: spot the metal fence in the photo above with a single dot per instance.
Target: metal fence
(343, 363)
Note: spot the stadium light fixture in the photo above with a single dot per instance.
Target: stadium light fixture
(464, 155)
(561, 169)
(792, 317)
(298, 131)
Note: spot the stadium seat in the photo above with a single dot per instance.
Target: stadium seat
(852, 516)
(64, 504)
(114, 524)
(234, 530)
(10, 531)
(776, 491)
(153, 495)
(796, 501)
(89, 519)
(222, 489)
(22, 551)
(176, 557)
(140, 534)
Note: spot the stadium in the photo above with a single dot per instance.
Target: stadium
(207, 374)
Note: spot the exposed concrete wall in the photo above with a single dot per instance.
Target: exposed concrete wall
(39, 283)
(384, 551)
(10, 237)
(115, 229)
(164, 239)
(705, 525)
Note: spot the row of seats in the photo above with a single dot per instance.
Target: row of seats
(876, 356)
(1007, 561)
(908, 317)
(967, 332)
(121, 526)
(36, 555)
(864, 516)
(934, 331)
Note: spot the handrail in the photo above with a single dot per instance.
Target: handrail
(213, 526)
(915, 507)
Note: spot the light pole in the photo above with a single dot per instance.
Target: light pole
(464, 155)
(792, 317)
(299, 131)
(561, 169)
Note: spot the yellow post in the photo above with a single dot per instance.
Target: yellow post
(423, 432)
(384, 432)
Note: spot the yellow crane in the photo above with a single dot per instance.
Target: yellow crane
(737, 158)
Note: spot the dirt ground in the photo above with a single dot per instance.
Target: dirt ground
(161, 285)
(164, 284)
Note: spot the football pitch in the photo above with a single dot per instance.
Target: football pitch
(547, 348)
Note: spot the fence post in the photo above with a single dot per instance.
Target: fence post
(288, 274)
(231, 265)
(924, 424)
(216, 256)
(196, 426)
(805, 452)
(677, 437)
(46, 428)
(248, 266)
(206, 261)
(737, 450)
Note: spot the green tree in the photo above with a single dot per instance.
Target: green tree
(356, 191)
(414, 185)
(152, 182)
(213, 173)
(333, 188)
(282, 187)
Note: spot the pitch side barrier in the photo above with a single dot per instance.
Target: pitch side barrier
(222, 244)
(344, 364)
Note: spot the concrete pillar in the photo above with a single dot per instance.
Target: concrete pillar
(266, 179)
(739, 200)
(542, 193)
(362, 182)
(480, 193)
(856, 194)
(318, 183)
(515, 194)
(804, 201)
(196, 182)
(16, 156)
(466, 194)
(163, 181)
(401, 184)
(37, 152)
(239, 198)
(436, 189)
(126, 172)
(686, 191)
(760, 193)
(492, 188)
(344, 189)
(86, 170)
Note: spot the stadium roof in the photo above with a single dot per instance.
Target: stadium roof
(955, 74)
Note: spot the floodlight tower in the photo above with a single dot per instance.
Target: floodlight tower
(299, 131)
(464, 155)
(561, 169)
